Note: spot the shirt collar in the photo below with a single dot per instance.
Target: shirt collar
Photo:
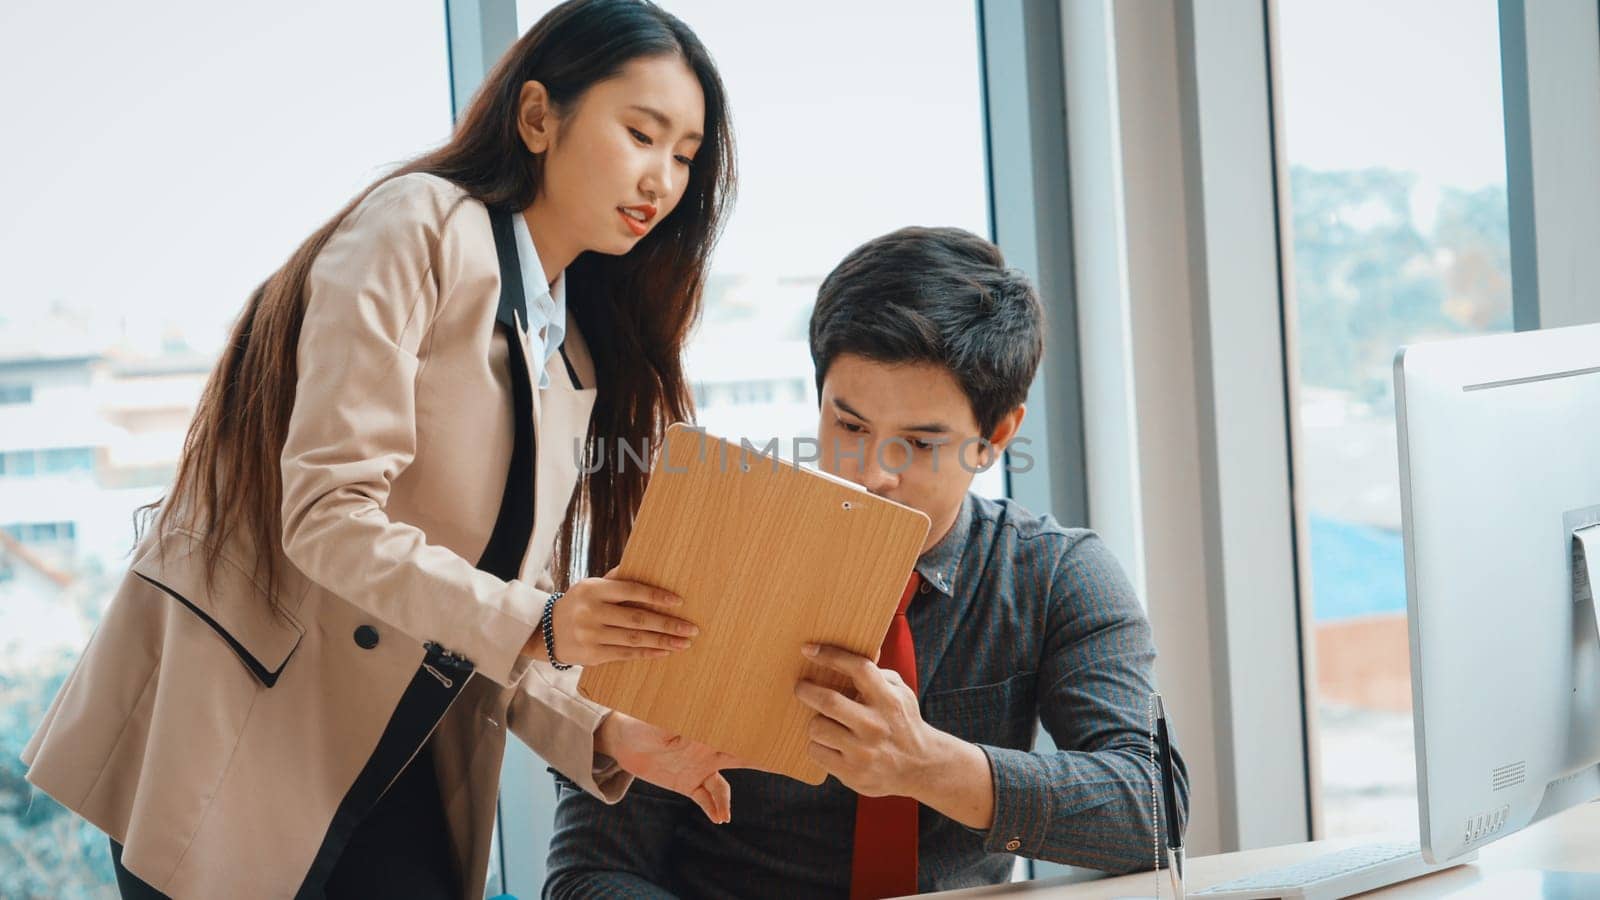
(939, 565)
(547, 303)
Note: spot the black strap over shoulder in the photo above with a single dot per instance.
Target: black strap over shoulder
(513, 309)
(508, 543)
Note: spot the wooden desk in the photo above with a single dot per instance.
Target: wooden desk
(1569, 842)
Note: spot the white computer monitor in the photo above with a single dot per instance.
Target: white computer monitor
(1499, 469)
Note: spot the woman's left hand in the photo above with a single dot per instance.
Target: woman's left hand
(670, 761)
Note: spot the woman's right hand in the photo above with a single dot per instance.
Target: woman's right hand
(669, 761)
(606, 619)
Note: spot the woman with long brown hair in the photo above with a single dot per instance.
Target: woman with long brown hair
(354, 587)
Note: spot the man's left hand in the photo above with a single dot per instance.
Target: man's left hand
(876, 743)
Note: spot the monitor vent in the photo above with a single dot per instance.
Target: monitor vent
(1510, 776)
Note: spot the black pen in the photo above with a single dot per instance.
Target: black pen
(1169, 783)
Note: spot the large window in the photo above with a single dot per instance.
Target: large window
(160, 160)
(1395, 142)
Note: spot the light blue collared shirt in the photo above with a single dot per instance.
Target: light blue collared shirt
(547, 303)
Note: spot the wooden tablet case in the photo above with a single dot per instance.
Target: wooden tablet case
(767, 556)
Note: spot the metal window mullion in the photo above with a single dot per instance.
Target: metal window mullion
(1550, 80)
(1025, 125)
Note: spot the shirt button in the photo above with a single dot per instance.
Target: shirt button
(1013, 844)
(366, 637)
(926, 587)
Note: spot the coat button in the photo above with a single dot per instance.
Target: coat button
(366, 637)
(1013, 844)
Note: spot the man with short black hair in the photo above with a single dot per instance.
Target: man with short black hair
(925, 345)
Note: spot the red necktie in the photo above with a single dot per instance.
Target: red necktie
(885, 861)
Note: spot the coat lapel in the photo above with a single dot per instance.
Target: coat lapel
(560, 413)
(513, 311)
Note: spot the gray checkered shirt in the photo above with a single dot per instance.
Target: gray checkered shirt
(1020, 621)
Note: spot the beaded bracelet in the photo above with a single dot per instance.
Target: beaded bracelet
(547, 625)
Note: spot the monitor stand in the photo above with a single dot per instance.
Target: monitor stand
(1585, 562)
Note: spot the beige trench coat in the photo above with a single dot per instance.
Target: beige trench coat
(214, 740)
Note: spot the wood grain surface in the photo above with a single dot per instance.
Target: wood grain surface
(767, 556)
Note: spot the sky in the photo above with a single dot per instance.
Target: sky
(852, 118)
(1408, 84)
(163, 158)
